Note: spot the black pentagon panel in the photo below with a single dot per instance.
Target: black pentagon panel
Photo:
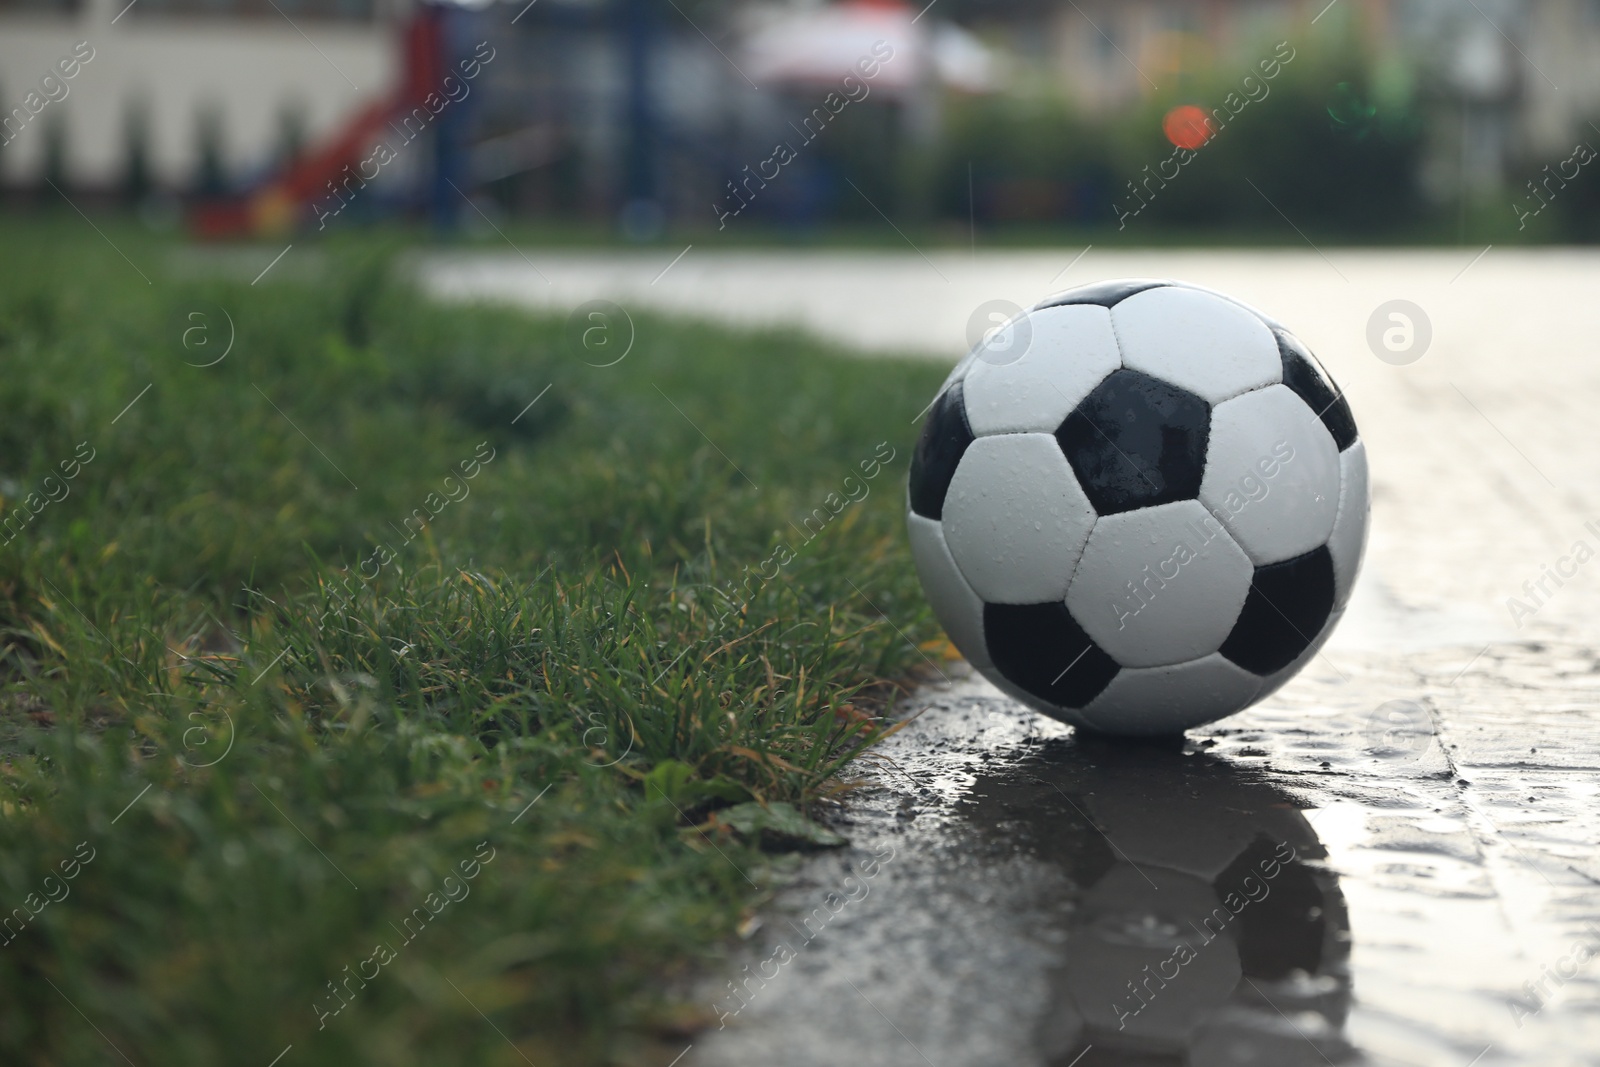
(1105, 294)
(1042, 649)
(1286, 608)
(1136, 441)
(945, 437)
(1283, 919)
(1301, 373)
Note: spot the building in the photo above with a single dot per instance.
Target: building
(181, 93)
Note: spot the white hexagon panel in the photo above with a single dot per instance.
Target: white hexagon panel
(1015, 518)
(1151, 700)
(1064, 352)
(959, 609)
(1349, 541)
(1212, 347)
(1268, 444)
(1159, 585)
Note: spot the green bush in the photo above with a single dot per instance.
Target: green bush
(1321, 151)
(1032, 159)
(1575, 206)
(1334, 147)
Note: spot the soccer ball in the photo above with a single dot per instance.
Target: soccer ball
(1138, 507)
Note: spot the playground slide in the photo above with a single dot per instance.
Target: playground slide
(283, 200)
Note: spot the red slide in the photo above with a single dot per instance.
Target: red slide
(282, 201)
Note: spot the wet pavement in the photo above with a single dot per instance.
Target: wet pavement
(1393, 860)
(1312, 881)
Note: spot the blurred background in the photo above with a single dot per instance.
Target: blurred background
(673, 159)
(997, 120)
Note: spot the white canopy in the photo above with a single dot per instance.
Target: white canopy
(820, 45)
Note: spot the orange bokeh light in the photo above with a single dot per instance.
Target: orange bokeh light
(1187, 126)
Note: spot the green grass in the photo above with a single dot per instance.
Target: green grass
(1490, 219)
(258, 718)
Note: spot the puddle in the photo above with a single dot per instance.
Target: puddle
(1287, 887)
(1202, 924)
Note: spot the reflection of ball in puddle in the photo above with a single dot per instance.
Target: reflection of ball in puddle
(1143, 965)
(1200, 903)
